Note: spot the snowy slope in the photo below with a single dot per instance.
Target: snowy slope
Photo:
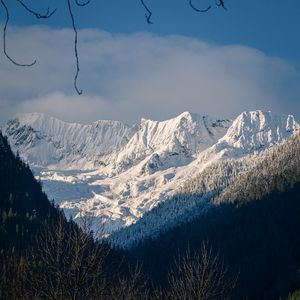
(127, 171)
(48, 142)
(256, 130)
(173, 142)
(242, 180)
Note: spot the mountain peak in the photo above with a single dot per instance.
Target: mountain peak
(37, 119)
(253, 130)
(46, 141)
(188, 115)
(172, 142)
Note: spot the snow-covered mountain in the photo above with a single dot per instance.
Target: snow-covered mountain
(45, 141)
(174, 142)
(115, 173)
(256, 130)
(224, 181)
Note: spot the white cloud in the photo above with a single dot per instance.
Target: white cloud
(127, 77)
(72, 108)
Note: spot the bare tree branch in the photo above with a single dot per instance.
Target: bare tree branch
(197, 9)
(69, 264)
(36, 14)
(49, 13)
(221, 3)
(82, 4)
(4, 40)
(130, 287)
(201, 276)
(75, 46)
(148, 14)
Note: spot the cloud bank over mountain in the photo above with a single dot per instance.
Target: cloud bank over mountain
(125, 77)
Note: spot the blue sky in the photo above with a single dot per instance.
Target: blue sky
(253, 44)
(268, 25)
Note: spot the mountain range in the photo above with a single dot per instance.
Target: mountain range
(138, 181)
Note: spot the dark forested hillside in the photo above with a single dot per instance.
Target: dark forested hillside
(42, 254)
(276, 169)
(259, 241)
(23, 205)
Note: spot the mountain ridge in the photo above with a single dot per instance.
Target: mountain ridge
(58, 140)
(118, 176)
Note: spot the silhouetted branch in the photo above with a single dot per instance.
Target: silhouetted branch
(201, 276)
(197, 9)
(221, 3)
(48, 14)
(4, 39)
(75, 46)
(82, 4)
(148, 14)
(36, 14)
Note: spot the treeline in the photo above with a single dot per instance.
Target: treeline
(276, 169)
(190, 200)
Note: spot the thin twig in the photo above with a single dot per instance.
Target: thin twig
(197, 9)
(82, 4)
(221, 3)
(4, 40)
(36, 14)
(75, 47)
(148, 14)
